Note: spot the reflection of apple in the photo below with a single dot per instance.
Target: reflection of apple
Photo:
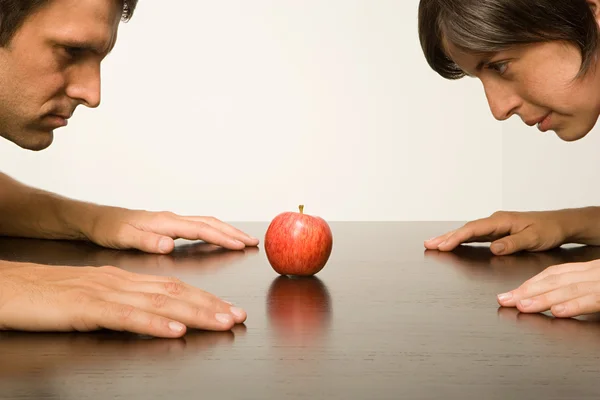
(298, 243)
(299, 308)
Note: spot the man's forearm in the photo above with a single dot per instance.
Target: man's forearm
(33, 213)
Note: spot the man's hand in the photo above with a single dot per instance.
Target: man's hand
(154, 232)
(511, 232)
(47, 298)
(567, 290)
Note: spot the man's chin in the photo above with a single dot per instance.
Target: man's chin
(571, 134)
(36, 142)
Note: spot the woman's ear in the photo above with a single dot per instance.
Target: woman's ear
(595, 6)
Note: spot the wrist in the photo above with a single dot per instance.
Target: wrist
(75, 218)
(581, 225)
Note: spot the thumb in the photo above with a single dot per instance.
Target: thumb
(148, 242)
(523, 240)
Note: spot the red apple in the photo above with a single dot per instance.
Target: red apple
(298, 244)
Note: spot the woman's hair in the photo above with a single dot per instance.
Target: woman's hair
(489, 26)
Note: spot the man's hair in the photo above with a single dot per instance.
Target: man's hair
(14, 12)
(489, 26)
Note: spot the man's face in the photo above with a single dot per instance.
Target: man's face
(52, 65)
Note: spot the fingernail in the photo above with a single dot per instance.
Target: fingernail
(430, 240)
(498, 247)
(223, 318)
(236, 242)
(526, 302)
(164, 245)
(559, 309)
(505, 296)
(238, 312)
(176, 327)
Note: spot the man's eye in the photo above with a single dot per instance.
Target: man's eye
(74, 51)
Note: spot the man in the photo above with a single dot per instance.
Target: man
(50, 57)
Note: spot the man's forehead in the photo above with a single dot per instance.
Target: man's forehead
(94, 23)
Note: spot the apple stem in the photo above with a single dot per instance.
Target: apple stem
(301, 209)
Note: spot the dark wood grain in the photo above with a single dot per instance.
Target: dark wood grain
(385, 319)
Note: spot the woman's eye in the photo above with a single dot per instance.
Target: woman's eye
(499, 67)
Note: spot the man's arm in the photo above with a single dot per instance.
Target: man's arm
(34, 213)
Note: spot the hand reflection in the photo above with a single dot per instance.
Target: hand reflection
(56, 353)
(582, 330)
(192, 257)
(299, 309)
(479, 262)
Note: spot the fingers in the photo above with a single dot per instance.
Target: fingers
(196, 230)
(433, 243)
(587, 304)
(524, 240)
(123, 317)
(205, 315)
(227, 229)
(573, 292)
(500, 229)
(170, 298)
(195, 297)
(560, 269)
(155, 285)
(485, 229)
(148, 242)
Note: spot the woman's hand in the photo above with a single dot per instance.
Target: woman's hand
(511, 232)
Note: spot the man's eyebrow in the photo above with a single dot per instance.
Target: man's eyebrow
(93, 47)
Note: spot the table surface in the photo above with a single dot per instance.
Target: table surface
(385, 319)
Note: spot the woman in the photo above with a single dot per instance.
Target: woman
(537, 59)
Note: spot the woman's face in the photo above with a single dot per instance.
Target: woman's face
(539, 83)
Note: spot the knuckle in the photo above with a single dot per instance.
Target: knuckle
(108, 270)
(553, 280)
(575, 289)
(158, 300)
(166, 214)
(575, 306)
(471, 224)
(173, 279)
(534, 236)
(555, 268)
(174, 288)
(125, 311)
(199, 313)
(81, 296)
(203, 225)
(509, 243)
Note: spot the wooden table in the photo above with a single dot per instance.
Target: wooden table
(384, 320)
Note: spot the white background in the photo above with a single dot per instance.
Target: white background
(242, 110)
